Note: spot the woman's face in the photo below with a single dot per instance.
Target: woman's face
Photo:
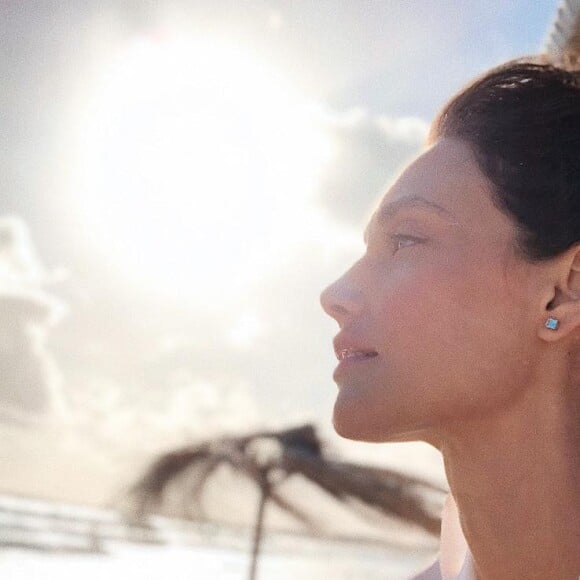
(438, 318)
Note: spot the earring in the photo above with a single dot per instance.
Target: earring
(552, 323)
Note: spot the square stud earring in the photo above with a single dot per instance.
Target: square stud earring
(552, 323)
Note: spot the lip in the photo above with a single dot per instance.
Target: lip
(343, 343)
(345, 367)
(346, 342)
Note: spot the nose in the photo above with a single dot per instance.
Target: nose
(341, 300)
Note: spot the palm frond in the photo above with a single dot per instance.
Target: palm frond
(298, 514)
(300, 452)
(148, 491)
(384, 491)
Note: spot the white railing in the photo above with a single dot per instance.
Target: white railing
(43, 525)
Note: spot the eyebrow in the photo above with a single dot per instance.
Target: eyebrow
(387, 212)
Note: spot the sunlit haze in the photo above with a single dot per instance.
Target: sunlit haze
(179, 182)
(196, 161)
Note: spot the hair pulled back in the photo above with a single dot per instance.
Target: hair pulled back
(522, 121)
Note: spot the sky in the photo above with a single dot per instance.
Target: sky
(179, 181)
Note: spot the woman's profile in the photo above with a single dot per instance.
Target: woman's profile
(460, 324)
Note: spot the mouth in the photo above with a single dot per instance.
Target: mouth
(351, 351)
(345, 354)
(349, 357)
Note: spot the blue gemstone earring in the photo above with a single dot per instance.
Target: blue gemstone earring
(552, 323)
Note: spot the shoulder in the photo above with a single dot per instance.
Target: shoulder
(431, 573)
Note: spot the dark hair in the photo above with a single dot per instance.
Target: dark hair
(522, 122)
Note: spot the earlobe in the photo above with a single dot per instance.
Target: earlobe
(560, 321)
(551, 330)
(562, 311)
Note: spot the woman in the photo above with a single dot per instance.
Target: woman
(460, 325)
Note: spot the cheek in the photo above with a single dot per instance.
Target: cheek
(450, 329)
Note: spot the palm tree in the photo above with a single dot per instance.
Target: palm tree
(299, 451)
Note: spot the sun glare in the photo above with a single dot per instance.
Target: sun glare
(196, 162)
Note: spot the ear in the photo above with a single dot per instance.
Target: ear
(562, 300)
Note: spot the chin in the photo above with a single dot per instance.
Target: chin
(346, 431)
(356, 429)
(359, 427)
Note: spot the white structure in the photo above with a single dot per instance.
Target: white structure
(563, 40)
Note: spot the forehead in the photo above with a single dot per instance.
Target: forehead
(447, 175)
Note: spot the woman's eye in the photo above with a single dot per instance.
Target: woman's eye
(401, 241)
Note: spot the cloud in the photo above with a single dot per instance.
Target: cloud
(30, 378)
(370, 151)
(118, 420)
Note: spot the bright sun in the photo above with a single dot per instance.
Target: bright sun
(196, 161)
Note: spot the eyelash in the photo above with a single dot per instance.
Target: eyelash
(398, 237)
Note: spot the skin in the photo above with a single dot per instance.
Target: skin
(465, 363)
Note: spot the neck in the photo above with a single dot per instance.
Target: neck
(515, 476)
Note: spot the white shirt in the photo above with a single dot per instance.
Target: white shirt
(454, 556)
(455, 562)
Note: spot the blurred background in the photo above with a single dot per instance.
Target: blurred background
(179, 180)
